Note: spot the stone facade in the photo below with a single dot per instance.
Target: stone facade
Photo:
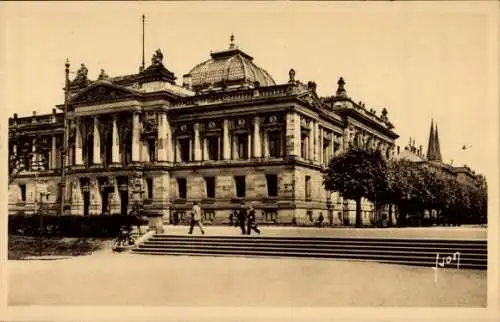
(143, 139)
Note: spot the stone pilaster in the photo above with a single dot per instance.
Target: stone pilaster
(235, 147)
(78, 145)
(114, 197)
(266, 144)
(316, 141)
(136, 144)
(34, 157)
(177, 151)
(197, 145)
(95, 197)
(249, 146)
(163, 137)
(115, 147)
(257, 151)
(313, 141)
(293, 134)
(53, 153)
(226, 146)
(320, 146)
(76, 200)
(205, 149)
(97, 143)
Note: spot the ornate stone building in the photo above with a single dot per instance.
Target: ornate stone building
(229, 134)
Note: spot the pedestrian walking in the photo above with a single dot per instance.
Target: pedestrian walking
(252, 221)
(319, 223)
(242, 217)
(196, 218)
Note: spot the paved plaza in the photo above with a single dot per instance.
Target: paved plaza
(108, 279)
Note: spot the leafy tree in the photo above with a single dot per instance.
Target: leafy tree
(358, 173)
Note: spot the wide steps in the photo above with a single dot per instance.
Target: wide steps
(417, 252)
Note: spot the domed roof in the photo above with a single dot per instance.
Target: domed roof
(227, 69)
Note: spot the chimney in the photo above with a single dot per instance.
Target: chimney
(420, 150)
(398, 149)
(187, 81)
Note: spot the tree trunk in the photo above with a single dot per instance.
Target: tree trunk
(358, 212)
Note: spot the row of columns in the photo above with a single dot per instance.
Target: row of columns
(200, 147)
(136, 146)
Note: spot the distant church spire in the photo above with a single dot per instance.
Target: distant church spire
(433, 149)
(437, 148)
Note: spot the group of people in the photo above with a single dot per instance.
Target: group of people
(243, 218)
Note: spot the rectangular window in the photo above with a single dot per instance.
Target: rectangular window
(275, 144)
(22, 187)
(184, 150)
(181, 188)
(272, 185)
(303, 145)
(213, 147)
(242, 146)
(308, 187)
(240, 186)
(210, 183)
(149, 182)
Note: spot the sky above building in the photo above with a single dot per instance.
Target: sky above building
(421, 62)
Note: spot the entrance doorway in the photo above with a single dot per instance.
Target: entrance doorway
(86, 203)
(124, 202)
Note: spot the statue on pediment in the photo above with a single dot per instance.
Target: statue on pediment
(82, 73)
(384, 117)
(157, 58)
(291, 75)
(103, 75)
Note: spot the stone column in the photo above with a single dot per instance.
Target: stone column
(205, 149)
(97, 143)
(169, 149)
(197, 145)
(14, 153)
(266, 144)
(78, 145)
(257, 151)
(162, 137)
(293, 134)
(313, 141)
(234, 147)
(177, 151)
(136, 144)
(226, 147)
(316, 139)
(34, 159)
(249, 146)
(320, 146)
(115, 147)
(53, 153)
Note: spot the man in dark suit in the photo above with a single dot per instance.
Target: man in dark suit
(242, 218)
(252, 221)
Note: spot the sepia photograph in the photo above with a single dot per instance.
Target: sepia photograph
(330, 157)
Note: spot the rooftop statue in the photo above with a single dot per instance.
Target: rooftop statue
(384, 115)
(103, 75)
(81, 74)
(157, 58)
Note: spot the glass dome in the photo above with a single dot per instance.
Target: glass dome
(228, 69)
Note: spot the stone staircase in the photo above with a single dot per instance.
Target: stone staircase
(410, 251)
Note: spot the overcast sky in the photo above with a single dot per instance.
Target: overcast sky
(418, 61)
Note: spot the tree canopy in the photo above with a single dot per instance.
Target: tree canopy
(414, 187)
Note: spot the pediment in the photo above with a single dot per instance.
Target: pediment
(103, 92)
(312, 99)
